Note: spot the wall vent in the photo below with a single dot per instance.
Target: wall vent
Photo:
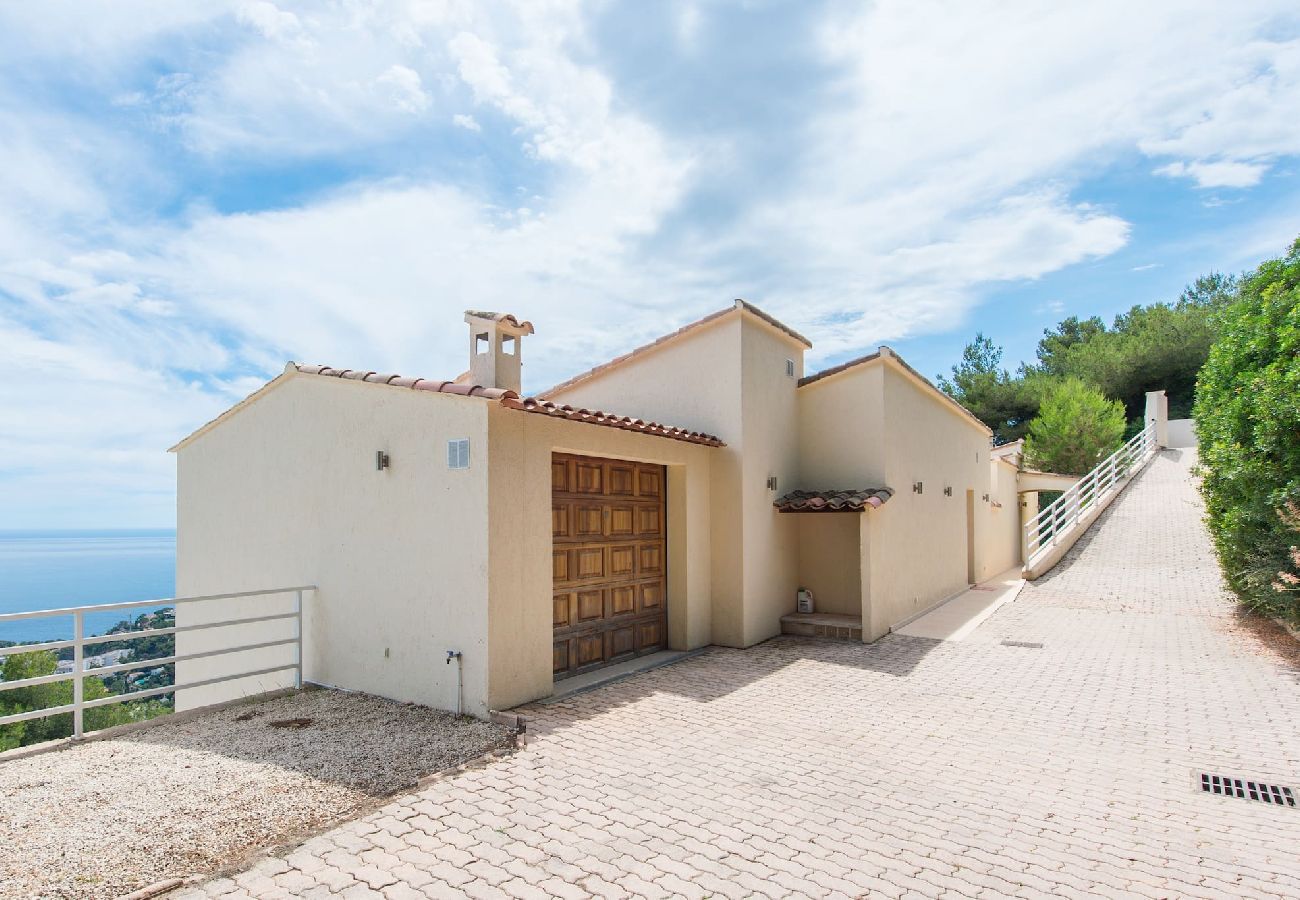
(458, 454)
(1259, 791)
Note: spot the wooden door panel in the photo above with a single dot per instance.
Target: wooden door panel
(650, 481)
(651, 596)
(649, 521)
(588, 477)
(622, 642)
(589, 606)
(588, 521)
(608, 527)
(622, 521)
(650, 560)
(622, 561)
(650, 635)
(590, 649)
(622, 479)
(589, 562)
(561, 606)
(561, 516)
(622, 600)
(560, 475)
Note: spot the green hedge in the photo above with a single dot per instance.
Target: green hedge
(1248, 426)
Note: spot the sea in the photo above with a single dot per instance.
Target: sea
(55, 569)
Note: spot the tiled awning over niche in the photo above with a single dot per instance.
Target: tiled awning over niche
(833, 501)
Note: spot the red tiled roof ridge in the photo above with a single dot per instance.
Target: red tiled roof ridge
(738, 304)
(842, 500)
(512, 400)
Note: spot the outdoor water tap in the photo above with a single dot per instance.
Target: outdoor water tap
(460, 684)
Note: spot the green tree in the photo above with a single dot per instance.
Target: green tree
(1148, 348)
(19, 666)
(1076, 428)
(1056, 344)
(979, 383)
(1248, 426)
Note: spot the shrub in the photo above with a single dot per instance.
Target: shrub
(1248, 426)
(1076, 428)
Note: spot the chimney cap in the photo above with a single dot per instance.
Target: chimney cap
(504, 321)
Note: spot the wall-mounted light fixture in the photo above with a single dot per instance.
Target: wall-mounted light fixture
(986, 498)
(771, 482)
(947, 492)
(918, 487)
(381, 460)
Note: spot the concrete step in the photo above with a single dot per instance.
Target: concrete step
(825, 625)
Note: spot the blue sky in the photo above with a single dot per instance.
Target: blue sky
(190, 194)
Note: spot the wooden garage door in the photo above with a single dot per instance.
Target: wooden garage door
(608, 527)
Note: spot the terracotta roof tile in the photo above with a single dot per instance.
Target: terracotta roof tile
(596, 417)
(511, 400)
(418, 384)
(505, 318)
(833, 501)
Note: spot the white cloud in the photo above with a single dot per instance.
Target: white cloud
(407, 88)
(939, 154)
(268, 19)
(1216, 174)
(469, 123)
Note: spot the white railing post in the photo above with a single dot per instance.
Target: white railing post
(78, 703)
(297, 662)
(79, 674)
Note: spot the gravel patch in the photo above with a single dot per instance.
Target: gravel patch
(108, 817)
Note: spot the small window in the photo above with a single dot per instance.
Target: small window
(458, 454)
(509, 344)
(482, 343)
(789, 367)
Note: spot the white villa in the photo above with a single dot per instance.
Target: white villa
(675, 497)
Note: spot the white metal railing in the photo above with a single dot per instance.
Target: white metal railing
(80, 641)
(1056, 520)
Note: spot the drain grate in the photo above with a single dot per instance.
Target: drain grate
(1032, 645)
(1226, 786)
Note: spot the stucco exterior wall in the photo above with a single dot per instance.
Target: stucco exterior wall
(287, 492)
(922, 538)
(1182, 433)
(770, 407)
(519, 543)
(841, 435)
(1001, 549)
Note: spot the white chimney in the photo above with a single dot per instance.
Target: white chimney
(494, 349)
